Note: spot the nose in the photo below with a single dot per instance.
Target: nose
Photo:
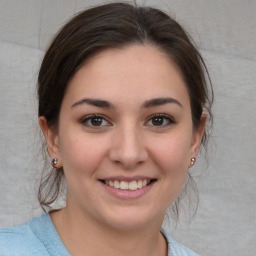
(128, 148)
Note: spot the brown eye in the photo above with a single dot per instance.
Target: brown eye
(95, 121)
(160, 120)
(157, 121)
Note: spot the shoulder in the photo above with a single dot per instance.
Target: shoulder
(21, 240)
(175, 248)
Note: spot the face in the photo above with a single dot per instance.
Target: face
(125, 137)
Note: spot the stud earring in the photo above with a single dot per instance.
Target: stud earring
(54, 162)
(193, 160)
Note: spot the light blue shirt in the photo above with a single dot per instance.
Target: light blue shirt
(40, 238)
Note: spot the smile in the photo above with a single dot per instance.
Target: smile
(128, 188)
(128, 185)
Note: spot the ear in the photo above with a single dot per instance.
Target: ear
(197, 138)
(52, 140)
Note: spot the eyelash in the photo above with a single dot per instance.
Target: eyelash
(166, 118)
(94, 116)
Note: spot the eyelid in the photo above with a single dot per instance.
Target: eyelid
(161, 115)
(86, 118)
(91, 116)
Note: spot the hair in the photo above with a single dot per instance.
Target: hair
(117, 25)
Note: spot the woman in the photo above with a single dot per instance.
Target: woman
(123, 103)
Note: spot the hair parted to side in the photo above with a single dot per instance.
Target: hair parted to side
(117, 25)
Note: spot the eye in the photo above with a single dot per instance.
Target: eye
(95, 121)
(160, 120)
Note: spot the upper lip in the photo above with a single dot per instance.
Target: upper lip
(128, 179)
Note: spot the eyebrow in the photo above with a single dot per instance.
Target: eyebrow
(106, 104)
(94, 102)
(160, 101)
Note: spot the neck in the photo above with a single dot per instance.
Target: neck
(81, 234)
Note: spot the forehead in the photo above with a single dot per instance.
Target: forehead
(137, 71)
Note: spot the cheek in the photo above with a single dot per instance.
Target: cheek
(172, 155)
(81, 154)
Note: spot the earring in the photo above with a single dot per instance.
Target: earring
(193, 160)
(54, 162)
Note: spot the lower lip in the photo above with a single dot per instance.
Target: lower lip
(128, 194)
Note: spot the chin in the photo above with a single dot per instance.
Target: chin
(133, 220)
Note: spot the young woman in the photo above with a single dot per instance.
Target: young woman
(123, 103)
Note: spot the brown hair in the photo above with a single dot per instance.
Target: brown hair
(116, 25)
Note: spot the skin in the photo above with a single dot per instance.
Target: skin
(127, 142)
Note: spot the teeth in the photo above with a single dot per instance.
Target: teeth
(116, 184)
(139, 184)
(133, 185)
(124, 185)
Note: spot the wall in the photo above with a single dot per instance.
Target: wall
(225, 223)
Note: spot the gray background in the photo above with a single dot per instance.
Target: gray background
(225, 31)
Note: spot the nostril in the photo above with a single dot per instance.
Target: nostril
(128, 152)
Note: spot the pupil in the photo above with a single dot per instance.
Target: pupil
(96, 121)
(157, 121)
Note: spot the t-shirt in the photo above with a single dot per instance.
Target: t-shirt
(39, 237)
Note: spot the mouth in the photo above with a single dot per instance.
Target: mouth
(132, 185)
